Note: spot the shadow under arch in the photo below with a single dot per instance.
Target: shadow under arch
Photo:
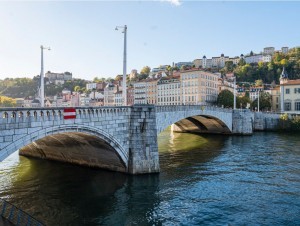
(38, 140)
(201, 124)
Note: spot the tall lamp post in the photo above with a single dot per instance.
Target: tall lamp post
(124, 92)
(42, 89)
(234, 93)
(258, 101)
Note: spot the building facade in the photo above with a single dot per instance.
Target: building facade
(168, 91)
(199, 87)
(289, 94)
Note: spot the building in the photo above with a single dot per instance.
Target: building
(151, 91)
(254, 92)
(289, 94)
(253, 58)
(206, 63)
(118, 99)
(266, 58)
(197, 63)
(225, 84)
(285, 50)
(140, 92)
(168, 91)
(130, 95)
(66, 76)
(275, 95)
(91, 86)
(269, 50)
(199, 87)
(109, 96)
(19, 102)
(219, 62)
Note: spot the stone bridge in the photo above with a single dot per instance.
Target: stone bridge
(116, 138)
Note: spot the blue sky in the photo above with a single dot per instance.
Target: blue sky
(83, 39)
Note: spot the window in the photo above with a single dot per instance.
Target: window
(287, 106)
(287, 91)
(297, 106)
(297, 90)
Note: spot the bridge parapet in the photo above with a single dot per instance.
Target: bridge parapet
(168, 108)
(18, 115)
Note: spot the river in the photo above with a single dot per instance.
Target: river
(204, 180)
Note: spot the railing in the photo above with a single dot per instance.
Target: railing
(16, 115)
(16, 216)
(168, 108)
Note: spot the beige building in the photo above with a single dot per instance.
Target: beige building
(275, 94)
(151, 91)
(168, 91)
(224, 84)
(198, 87)
(289, 94)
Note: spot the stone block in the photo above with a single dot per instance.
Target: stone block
(20, 131)
(8, 138)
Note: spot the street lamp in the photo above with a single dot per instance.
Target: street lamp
(234, 93)
(42, 89)
(258, 101)
(124, 63)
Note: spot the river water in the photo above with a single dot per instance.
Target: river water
(204, 180)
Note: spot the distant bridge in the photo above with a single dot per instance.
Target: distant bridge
(116, 138)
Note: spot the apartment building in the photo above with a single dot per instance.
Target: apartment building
(118, 99)
(130, 95)
(168, 91)
(254, 92)
(109, 96)
(151, 91)
(140, 92)
(198, 87)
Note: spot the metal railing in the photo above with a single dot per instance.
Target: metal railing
(16, 216)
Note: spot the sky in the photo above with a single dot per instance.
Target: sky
(84, 41)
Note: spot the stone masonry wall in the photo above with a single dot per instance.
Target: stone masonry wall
(143, 149)
(266, 121)
(242, 122)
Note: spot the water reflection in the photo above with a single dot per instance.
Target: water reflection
(204, 180)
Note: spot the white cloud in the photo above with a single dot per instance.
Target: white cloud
(174, 2)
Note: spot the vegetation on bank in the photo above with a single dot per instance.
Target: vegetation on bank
(289, 123)
(7, 101)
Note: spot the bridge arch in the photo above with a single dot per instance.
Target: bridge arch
(36, 135)
(198, 118)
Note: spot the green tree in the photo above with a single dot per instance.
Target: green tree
(264, 102)
(76, 88)
(229, 66)
(225, 99)
(259, 82)
(243, 102)
(241, 62)
(145, 70)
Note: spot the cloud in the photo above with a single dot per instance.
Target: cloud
(173, 2)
